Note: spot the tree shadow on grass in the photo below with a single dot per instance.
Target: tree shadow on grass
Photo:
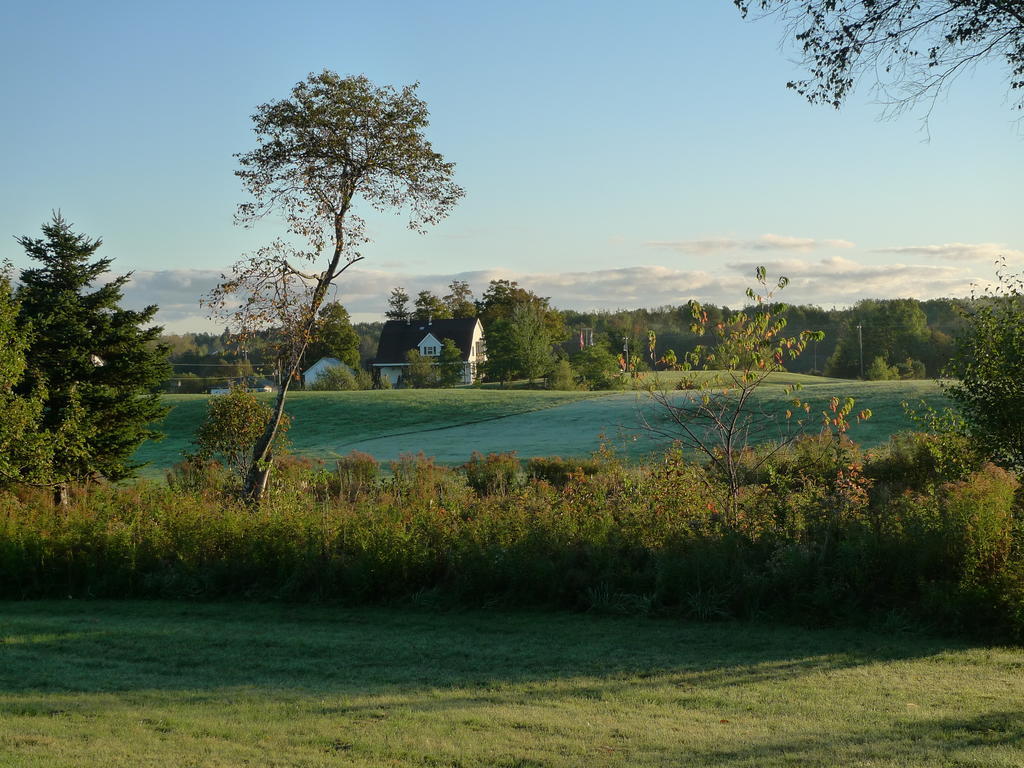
(114, 646)
(990, 739)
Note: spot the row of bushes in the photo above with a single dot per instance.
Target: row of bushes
(821, 533)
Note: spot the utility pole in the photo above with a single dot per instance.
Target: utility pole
(625, 348)
(860, 342)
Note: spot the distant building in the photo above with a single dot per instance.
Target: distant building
(398, 337)
(320, 367)
(257, 386)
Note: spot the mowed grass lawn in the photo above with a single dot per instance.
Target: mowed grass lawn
(175, 684)
(450, 424)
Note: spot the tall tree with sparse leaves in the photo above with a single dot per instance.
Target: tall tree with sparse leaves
(459, 299)
(98, 364)
(336, 143)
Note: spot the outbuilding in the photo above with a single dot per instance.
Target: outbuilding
(320, 367)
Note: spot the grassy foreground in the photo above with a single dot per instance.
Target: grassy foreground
(141, 684)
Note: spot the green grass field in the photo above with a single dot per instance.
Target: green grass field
(177, 684)
(451, 424)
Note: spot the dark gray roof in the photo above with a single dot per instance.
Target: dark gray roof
(398, 337)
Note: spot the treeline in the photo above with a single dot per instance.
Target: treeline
(202, 361)
(874, 339)
(527, 338)
(900, 338)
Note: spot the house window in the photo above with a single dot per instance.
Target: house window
(430, 352)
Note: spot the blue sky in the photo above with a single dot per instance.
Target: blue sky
(613, 155)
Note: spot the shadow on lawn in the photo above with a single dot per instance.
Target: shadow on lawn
(123, 646)
(989, 739)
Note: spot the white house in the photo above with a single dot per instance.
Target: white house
(398, 337)
(320, 367)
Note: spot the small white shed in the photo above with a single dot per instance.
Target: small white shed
(320, 367)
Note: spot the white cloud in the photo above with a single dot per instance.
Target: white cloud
(837, 280)
(957, 251)
(766, 242)
(834, 280)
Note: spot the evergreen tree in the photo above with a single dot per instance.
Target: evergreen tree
(96, 362)
(398, 305)
(26, 451)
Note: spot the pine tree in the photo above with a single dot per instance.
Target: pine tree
(398, 305)
(25, 450)
(97, 363)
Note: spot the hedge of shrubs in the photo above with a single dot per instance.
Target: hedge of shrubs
(822, 533)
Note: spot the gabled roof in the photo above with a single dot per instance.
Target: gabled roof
(397, 337)
(328, 362)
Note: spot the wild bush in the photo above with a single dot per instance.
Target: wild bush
(562, 377)
(558, 471)
(336, 379)
(358, 473)
(810, 539)
(495, 473)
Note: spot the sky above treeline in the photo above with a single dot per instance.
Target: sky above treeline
(613, 155)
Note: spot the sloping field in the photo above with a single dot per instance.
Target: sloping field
(330, 423)
(451, 424)
(86, 684)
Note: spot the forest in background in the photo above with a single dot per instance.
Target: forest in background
(900, 338)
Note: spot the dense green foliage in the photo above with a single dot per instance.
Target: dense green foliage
(597, 368)
(986, 385)
(204, 360)
(521, 329)
(96, 364)
(890, 332)
(340, 379)
(821, 533)
(26, 449)
(428, 372)
(428, 307)
(233, 423)
(334, 336)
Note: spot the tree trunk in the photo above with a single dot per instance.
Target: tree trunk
(262, 452)
(61, 496)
